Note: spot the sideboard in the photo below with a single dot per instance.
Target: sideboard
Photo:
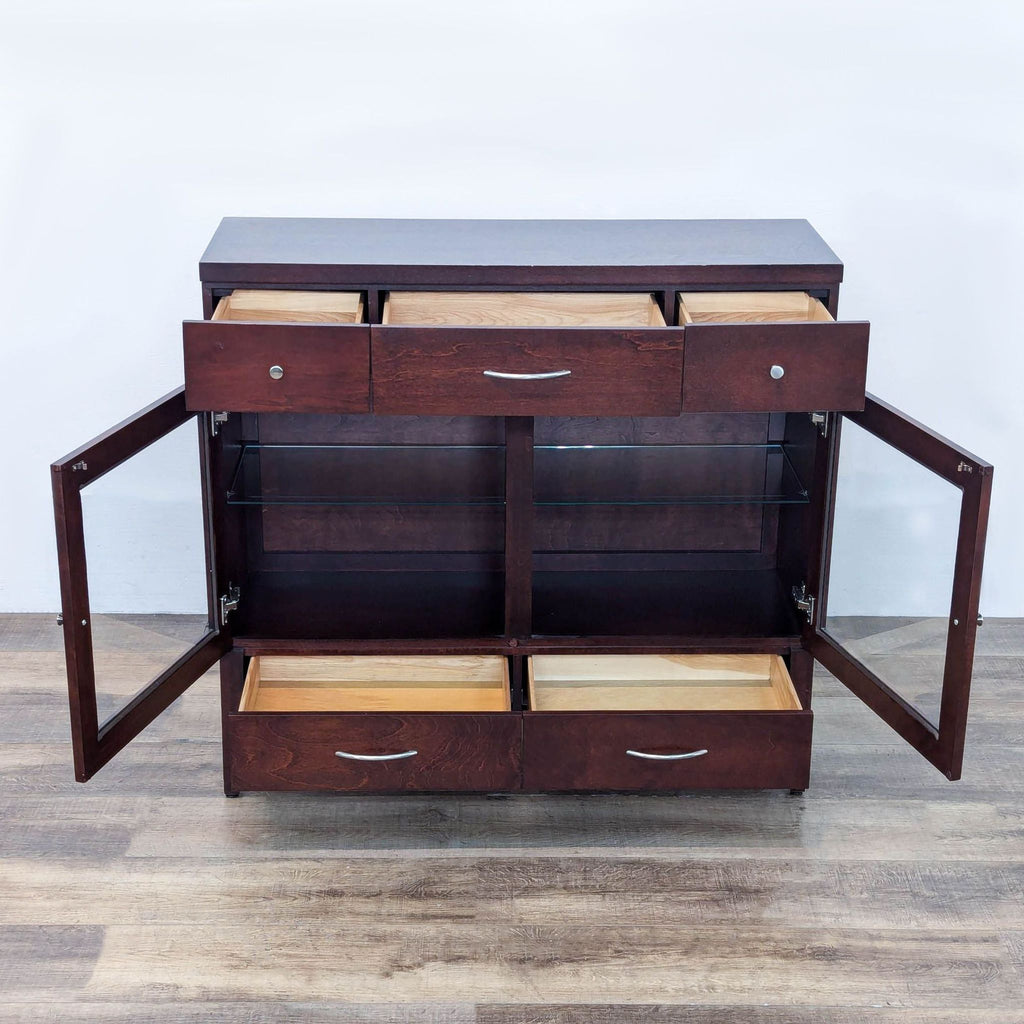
(498, 506)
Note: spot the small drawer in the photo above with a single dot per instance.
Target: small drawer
(770, 352)
(375, 724)
(511, 354)
(664, 722)
(280, 351)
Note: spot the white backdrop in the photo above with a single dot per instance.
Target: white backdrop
(128, 129)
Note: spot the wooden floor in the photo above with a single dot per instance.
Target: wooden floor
(884, 894)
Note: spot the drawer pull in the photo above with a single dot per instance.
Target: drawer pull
(375, 757)
(777, 372)
(550, 375)
(666, 757)
(276, 372)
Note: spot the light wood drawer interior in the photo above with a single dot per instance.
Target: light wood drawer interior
(522, 309)
(751, 308)
(660, 682)
(360, 683)
(291, 307)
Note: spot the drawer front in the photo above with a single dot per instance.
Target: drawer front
(326, 367)
(588, 750)
(455, 751)
(452, 370)
(728, 367)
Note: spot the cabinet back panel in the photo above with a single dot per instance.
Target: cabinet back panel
(698, 428)
(296, 428)
(344, 528)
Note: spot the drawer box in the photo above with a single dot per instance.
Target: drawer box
(769, 352)
(663, 722)
(275, 351)
(375, 724)
(512, 354)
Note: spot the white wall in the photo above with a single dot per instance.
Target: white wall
(128, 129)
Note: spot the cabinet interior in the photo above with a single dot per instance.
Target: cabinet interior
(365, 683)
(660, 682)
(291, 307)
(360, 527)
(522, 309)
(750, 308)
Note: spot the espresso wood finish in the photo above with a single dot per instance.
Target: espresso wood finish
(729, 367)
(940, 742)
(480, 442)
(326, 368)
(456, 751)
(577, 750)
(603, 254)
(93, 742)
(611, 372)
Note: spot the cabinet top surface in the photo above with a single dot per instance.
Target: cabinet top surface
(292, 249)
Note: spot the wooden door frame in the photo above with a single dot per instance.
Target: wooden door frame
(944, 746)
(95, 743)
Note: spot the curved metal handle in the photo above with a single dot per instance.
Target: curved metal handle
(550, 375)
(375, 757)
(666, 757)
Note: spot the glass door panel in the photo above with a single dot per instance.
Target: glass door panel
(137, 587)
(897, 619)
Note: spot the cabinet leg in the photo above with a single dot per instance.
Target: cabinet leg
(228, 793)
(797, 792)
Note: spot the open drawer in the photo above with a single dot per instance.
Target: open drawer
(382, 724)
(520, 353)
(663, 721)
(770, 352)
(275, 351)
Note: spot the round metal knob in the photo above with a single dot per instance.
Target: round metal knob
(276, 372)
(777, 372)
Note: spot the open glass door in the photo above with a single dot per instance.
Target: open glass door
(897, 609)
(136, 575)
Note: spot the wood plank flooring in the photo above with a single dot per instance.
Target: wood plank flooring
(884, 894)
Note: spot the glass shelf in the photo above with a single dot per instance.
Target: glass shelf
(283, 474)
(296, 474)
(666, 475)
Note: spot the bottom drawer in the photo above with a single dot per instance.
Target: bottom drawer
(457, 752)
(375, 724)
(664, 722)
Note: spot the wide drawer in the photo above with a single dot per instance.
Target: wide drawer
(769, 352)
(663, 722)
(272, 351)
(375, 724)
(509, 354)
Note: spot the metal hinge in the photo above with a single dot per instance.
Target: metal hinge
(80, 465)
(229, 602)
(820, 420)
(804, 602)
(216, 419)
(965, 467)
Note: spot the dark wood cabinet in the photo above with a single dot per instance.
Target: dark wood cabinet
(526, 505)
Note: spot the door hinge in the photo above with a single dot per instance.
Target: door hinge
(804, 602)
(229, 602)
(216, 420)
(820, 420)
(965, 467)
